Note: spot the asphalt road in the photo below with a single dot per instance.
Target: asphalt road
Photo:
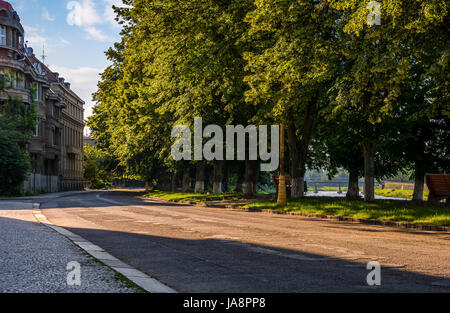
(196, 249)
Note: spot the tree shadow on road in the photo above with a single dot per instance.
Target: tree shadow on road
(216, 266)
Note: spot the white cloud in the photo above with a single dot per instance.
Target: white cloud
(83, 81)
(36, 39)
(34, 36)
(96, 34)
(46, 15)
(85, 15)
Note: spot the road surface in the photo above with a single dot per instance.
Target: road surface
(204, 250)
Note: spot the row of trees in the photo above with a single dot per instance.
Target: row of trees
(370, 99)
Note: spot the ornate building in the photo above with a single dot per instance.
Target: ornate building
(56, 150)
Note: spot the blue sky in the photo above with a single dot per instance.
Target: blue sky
(75, 35)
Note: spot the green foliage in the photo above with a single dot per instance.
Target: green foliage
(97, 168)
(177, 60)
(378, 58)
(292, 59)
(17, 124)
(14, 164)
(101, 185)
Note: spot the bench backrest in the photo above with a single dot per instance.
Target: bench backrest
(439, 185)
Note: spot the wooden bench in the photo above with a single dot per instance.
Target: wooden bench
(276, 180)
(439, 186)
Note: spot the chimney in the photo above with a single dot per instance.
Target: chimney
(67, 85)
(56, 75)
(61, 80)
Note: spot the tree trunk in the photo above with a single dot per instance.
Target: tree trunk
(186, 184)
(419, 182)
(353, 185)
(298, 186)
(217, 177)
(147, 184)
(227, 175)
(200, 178)
(250, 173)
(257, 169)
(299, 150)
(297, 172)
(209, 178)
(419, 185)
(240, 178)
(173, 182)
(419, 172)
(369, 171)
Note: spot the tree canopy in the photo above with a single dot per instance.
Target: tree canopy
(352, 94)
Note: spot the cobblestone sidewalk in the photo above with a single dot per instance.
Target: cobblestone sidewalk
(34, 258)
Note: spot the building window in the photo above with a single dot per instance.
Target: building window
(14, 38)
(19, 80)
(2, 35)
(56, 137)
(36, 132)
(14, 79)
(36, 92)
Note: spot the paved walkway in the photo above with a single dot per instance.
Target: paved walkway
(34, 258)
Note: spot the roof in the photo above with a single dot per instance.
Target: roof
(48, 73)
(51, 76)
(4, 4)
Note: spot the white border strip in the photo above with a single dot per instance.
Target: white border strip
(141, 279)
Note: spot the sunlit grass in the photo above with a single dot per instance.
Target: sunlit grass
(396, 193)
(390, 193)
(194, 197)
(388, 210)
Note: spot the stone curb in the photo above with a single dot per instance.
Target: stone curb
(141, 279)
(403, 225)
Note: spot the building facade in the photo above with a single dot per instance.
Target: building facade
(72, 134)
(56, 150)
